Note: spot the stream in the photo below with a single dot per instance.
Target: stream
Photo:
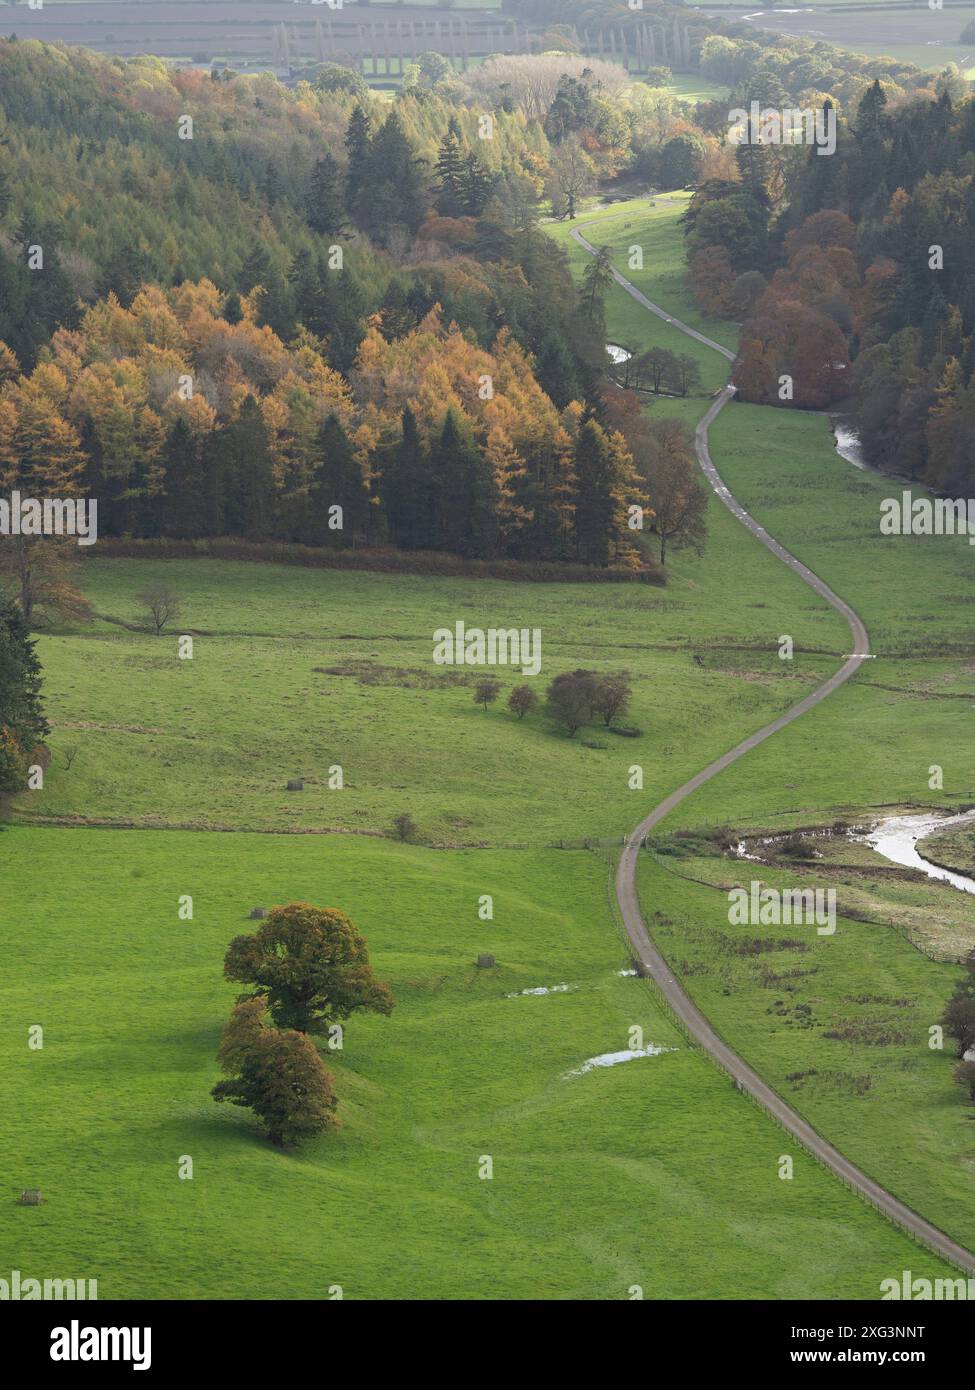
(896, 839)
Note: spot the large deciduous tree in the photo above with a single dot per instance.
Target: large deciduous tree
(313, 966)
(279, 1075)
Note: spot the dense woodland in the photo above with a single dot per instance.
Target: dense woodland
(853, 274)
(230, 308)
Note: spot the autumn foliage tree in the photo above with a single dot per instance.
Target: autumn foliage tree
(276, 1073)
(312, 966)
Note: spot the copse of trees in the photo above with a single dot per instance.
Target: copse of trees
(959, 1017)
(854, 276)
(575, 698)
(659, 371)
(310, 968)
(959, 1023)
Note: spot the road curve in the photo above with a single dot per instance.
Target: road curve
(644, 949)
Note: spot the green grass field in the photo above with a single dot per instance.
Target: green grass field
(656, 1172)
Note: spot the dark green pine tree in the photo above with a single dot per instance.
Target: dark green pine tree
(871, 121)
(6, 196)
(465, 494)
(393, 192)
(556, 370)
(406, 489)
(247, 475)
(477, 186)
(341, 305)
(933, 326)
(450, 200)
(256, 269)
(358, 143)
(129, 269)
(337, 482)
(183, 511)
(306, 292)
(326, 200)
(232, 310)
(398, 314)
(20, 679)
(272, 186)
(593, 503)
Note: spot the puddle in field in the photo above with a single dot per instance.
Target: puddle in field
(612, 1059)
(896, 839)
(542, 989)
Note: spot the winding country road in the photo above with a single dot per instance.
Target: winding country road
(644, 949)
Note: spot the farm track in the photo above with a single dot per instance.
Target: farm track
(648, 955)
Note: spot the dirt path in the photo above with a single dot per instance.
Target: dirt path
(626, 892)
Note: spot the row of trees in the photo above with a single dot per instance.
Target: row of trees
(658, 372)
(573, 699)
(309, 968)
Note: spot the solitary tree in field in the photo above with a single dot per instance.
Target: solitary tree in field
(522, 701)
(278, 1075)
(405, 826)
(162, 605)
(680, 505)
(486, 691)
(312, 965)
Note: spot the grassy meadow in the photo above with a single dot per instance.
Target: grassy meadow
(654, 1173)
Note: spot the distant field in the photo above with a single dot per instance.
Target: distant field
(913, 34)
(244, 30)
(690, 86)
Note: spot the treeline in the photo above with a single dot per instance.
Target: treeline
(855, 276)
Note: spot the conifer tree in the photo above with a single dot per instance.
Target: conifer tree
(337, 482)
(326, 203)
